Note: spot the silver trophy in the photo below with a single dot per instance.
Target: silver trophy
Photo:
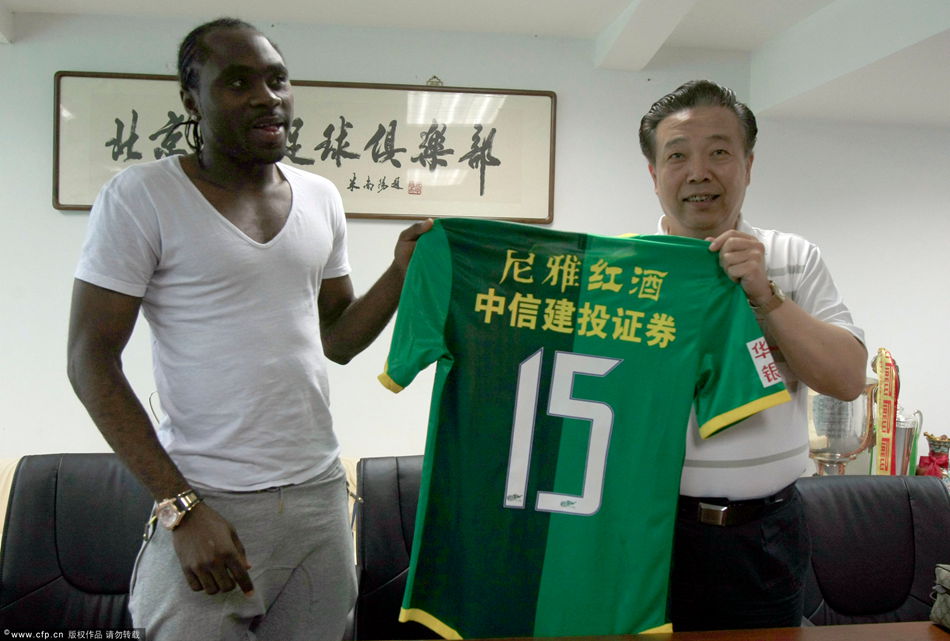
(839, 430)
(906, 434)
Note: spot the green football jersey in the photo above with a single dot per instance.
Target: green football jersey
(566, 368)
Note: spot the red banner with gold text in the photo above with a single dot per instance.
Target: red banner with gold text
(888, 388)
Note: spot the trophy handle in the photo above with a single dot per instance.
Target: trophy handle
(918, 430)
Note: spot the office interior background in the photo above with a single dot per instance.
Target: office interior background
(852, 96)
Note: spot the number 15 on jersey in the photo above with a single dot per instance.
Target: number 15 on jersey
(561, 403)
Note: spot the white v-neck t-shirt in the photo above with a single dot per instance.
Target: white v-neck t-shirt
(237, 357)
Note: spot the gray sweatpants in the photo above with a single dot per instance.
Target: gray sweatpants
(300, 548)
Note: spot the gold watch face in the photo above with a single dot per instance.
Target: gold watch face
(168, 515)
(777, 292)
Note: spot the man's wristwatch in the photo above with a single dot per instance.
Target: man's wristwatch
(170, 512)
(778, 297)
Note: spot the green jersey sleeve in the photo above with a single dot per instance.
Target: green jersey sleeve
(419, 337)
(739, 377)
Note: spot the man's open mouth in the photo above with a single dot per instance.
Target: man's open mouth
(269, 126)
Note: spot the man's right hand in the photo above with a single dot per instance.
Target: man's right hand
(210, 552)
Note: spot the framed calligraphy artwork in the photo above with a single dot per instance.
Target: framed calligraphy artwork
(393, 151)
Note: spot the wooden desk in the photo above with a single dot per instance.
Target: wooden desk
(909, 631)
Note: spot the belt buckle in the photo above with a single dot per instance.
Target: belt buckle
(711, 514)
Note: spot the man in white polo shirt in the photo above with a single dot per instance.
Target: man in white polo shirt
(741, 547)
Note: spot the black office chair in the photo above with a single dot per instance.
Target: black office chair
(73, 528)
(388, 492)
(875, 543)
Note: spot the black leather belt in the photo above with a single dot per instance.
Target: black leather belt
(720, 511)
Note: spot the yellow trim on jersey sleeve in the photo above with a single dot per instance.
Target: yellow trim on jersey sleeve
(389, 383)
(723, 421)
(429, 621)
(666, 628)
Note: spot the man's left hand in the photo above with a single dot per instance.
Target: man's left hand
(407, 242)
(742, 257)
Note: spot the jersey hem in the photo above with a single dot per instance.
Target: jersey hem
(426, 619)
(723, 421)
(389, 383)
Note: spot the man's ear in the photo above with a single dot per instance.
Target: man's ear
(652, 175)
(190, 104)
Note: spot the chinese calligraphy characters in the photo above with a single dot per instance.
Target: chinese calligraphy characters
(338, 147)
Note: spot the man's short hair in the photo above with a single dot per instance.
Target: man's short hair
(695, 93)
(193, 52)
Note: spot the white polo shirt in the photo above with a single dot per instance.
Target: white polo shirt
(769, 450)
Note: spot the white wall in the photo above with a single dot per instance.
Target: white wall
(873, 197)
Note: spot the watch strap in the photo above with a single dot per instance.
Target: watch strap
(186, 501)
(778, 297)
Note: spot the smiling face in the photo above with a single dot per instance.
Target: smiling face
(701, 171)
(243, 98)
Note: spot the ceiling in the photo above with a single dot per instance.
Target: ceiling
(874, 61)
